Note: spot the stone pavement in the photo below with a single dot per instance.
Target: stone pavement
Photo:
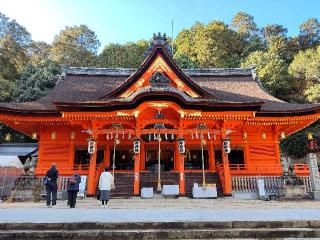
(161, 210)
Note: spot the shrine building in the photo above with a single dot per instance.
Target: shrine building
(200, 124)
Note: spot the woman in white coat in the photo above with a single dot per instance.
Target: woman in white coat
(105, 185)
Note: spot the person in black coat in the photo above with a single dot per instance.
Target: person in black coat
(51, 186)
(73, 189)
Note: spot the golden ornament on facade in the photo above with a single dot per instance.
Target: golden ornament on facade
(34, 135)
(73, 135)
(53, 135)
(245, 136)
(264, 135)
(283, 136)
(309, 135)
(8, 137)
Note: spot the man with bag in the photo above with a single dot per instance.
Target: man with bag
(51, 186)
(73, 189)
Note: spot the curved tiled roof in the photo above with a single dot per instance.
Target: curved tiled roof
(78, 85)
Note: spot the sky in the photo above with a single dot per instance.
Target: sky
(131, 20)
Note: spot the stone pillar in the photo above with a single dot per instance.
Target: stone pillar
(314, 175)
(92, 170)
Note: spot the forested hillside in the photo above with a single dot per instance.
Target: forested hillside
(288, 66)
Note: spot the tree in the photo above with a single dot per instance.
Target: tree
(36, 81)
(76, 46)
(218, 46)
(272, 71)
(185, 62)
(12, 58)
(17, 32)
(123, 55)
(39, 52)
(305, 69)
(310, 33)
(185, 42)
(244, 25)
(6, 90)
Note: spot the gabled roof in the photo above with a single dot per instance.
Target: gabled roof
(100, 89)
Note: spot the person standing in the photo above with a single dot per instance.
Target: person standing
(73, 189)
(106, 183)
(51, 186)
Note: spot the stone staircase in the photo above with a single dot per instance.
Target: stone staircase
(196, 177)
(123, 185)
(163, 230)
(150, 179)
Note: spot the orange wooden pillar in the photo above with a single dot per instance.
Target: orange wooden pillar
(176, 165)
(227, 188)
(142, 157)
(92, 171)
(182, 184)
(137, 160)
(179, 163)
(212, 160)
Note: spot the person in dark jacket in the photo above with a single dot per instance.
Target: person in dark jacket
(73, 189)
(51, 187)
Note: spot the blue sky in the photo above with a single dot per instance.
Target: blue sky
(130, 20)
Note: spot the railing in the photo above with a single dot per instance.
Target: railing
(8, 176)
(249, 184)
(272, 183)
(257, 169)
(66, 169)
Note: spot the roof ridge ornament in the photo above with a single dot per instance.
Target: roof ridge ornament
(159, 40)
(159, 79)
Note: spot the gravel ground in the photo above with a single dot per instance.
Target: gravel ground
(161, 210)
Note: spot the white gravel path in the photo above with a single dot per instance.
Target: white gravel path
(161, 210)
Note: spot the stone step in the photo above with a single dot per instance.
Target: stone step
(138, 233)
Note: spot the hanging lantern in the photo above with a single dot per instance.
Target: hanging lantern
(136, 145)
(34, 136)
(123, 135)
(283, 136)
(91, 147)
(191, 135)
(172, 136)
(111, 136)
(73, 136)
(264, 135)
(8, 137)
(209, 136)
(154, 136)
(181, 143)
(226, 145)
(245, 136)
(166, 136)
(129, 135)
(53, 135)
(107, 136)
(214, 137)
(197, 135)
